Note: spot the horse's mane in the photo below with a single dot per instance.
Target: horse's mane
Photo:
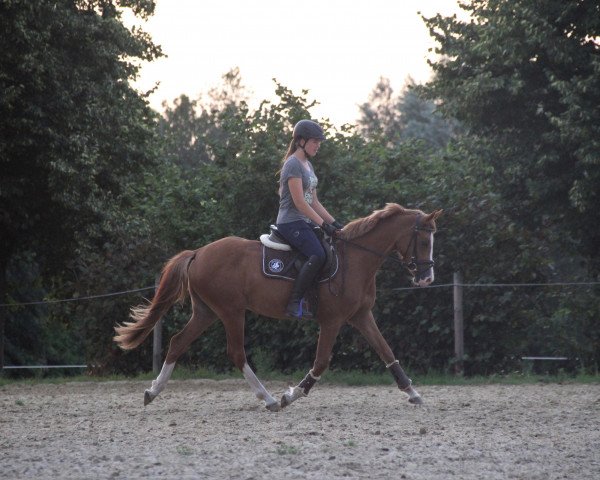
(361, 226)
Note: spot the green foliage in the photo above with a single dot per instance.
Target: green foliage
(523, 76)
(397, 118)
(33, 335)
(74, 140)
(510, 76)
(73, 132)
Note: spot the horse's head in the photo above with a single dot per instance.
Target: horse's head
(409, 234)
(418, 254)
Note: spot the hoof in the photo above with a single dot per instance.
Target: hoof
(416, 400)
(293, 394)
(148, 397)
(273, 407)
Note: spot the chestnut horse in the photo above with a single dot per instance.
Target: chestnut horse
(224, 279)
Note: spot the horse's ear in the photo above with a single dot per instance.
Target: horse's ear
(433, 215)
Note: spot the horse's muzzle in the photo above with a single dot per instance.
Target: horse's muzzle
(423, 278)
(425, 282)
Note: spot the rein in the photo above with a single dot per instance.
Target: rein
(413, 265)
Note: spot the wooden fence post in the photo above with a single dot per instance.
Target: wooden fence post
(3, 310)
(459, 347)
(157, 347)
(157, 338)
(1, 338)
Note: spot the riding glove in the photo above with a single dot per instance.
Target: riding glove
(337, 225)
(329, 229)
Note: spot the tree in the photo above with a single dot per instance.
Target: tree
(379, 116)
(522, 78)
(74, 135)
(523, 75)
(194, 129)
(403, 117)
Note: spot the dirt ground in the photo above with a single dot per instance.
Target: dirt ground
(208, 429)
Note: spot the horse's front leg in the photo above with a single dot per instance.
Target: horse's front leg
(327, 336)
(259, 390)
(300, 390)
(234, 328)
(364, 322)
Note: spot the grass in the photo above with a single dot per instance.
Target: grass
(514, 378)
(334, 377)
(180, 373)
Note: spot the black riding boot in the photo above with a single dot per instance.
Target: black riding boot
(303, 281)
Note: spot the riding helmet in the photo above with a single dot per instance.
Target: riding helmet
(308, 129)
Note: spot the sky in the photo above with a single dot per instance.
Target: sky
(336, 49)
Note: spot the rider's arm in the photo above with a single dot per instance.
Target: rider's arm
(320, 209)
(295, 186)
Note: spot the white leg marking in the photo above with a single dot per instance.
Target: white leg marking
(292, 394)
(160, 383)
(413, 395)
(259, 390)
(429, 279)
(431, 256)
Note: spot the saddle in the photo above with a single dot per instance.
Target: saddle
(281, 260)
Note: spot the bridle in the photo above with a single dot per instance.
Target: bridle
(413, 265)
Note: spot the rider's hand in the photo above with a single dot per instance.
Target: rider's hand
(337, 225)
(328, 229)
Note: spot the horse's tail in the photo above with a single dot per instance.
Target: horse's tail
(173, 287)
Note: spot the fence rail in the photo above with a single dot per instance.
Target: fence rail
(15, 367)
(556, 359)
(442, 285)
(76, 299)
(457, 287)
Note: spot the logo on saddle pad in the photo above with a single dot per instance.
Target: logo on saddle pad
(276, 265)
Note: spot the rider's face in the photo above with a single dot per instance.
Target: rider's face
(312, 147)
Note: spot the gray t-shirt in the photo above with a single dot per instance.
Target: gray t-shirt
(292, 168)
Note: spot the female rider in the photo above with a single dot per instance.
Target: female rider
(299, 209)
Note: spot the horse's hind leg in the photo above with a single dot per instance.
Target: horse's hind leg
(202, 318)
(364, 322)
